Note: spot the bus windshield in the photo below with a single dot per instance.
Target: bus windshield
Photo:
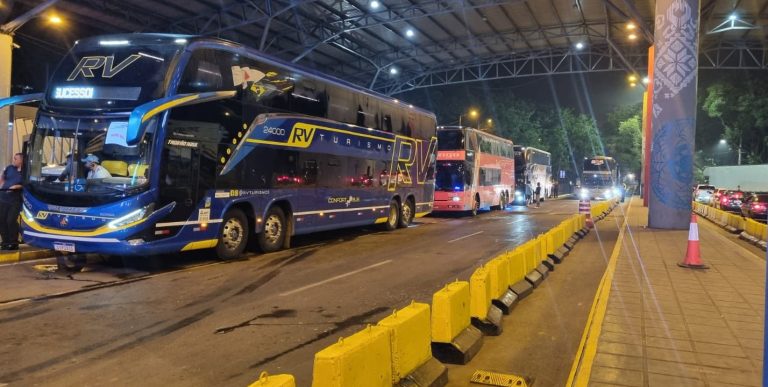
(78, 158)
(450, 140)
(596, 180)
(451, 176)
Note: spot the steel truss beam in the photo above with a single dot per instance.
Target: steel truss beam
(596, 59)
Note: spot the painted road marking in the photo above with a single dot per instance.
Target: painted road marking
(581, 369)
(516, 221)
(340, 276)
(465, 236)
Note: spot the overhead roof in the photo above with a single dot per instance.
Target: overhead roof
(450, 40)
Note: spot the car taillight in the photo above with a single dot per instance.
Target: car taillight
(758, 206)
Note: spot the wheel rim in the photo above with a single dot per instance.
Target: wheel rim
(392, 215)
(273, 229)
(232, 235)
(407, 212)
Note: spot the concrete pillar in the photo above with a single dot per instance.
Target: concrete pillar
(676, 54)
(6, 45)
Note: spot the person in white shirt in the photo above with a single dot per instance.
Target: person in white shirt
(95, 171)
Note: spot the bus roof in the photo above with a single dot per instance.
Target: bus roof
(531, 148)
(194, 41)
(474, 130)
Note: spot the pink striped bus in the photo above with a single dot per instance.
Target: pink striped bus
(475, 170)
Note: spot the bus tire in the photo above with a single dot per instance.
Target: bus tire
(406, 213)
(393, 217)
(475, 207)
(272, 237)
(233, 236)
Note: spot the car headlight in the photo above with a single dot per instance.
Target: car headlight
(608, 193)
(456, 199)
(616, 190)
(28, 214)
(133, 216)
(518, 194)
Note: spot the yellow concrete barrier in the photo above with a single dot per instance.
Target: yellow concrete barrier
(550, 239)
(410, 339)
(498, 269)
(531, 255)
(480, 293)
(266, 380)
(541, 253)
(450, 311)
(517, 265)
(363, 359)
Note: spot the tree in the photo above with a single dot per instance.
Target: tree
(741, 105)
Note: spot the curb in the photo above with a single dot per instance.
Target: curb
(25, 254)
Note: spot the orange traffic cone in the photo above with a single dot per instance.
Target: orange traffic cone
(693, 254)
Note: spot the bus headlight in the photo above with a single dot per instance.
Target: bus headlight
(616, 191)
(584, 193)
(456, 199)
(28, 214)
(608, 193)
(518, 194)
(131, 217)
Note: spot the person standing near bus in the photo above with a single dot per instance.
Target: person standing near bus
(537, 195)
(10, 203)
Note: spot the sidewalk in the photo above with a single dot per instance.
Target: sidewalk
(664, 325)
(24, 253)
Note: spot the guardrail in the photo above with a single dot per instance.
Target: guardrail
(748, 229)
(403, 349)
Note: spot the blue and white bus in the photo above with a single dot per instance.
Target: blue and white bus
(209, 144)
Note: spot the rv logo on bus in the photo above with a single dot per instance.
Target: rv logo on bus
(64, 222)
(89, 63)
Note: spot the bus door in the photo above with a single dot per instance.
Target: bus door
(178, 177)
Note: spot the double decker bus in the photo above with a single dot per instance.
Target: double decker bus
(210, 144)
(600, 178)
(475, 170)
(531, 166)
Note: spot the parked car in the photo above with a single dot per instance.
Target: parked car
(714, 200)
(755, 206)
(731, 201)
(703, 192)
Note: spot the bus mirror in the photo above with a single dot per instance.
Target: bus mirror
(19, 99)
(141, 115)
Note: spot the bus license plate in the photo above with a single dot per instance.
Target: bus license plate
(68, 247)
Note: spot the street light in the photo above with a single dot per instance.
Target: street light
(472, 113)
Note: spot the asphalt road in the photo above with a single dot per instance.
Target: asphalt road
(189, 320)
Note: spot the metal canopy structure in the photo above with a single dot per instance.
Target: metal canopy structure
(393, 46)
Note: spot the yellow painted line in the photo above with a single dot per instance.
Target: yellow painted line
(581, 369)
(10, 257)
(197, 245)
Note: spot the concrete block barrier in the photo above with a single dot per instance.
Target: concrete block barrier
(454, 339)
(532, 255)
(517, 272)
(484, 315)
(282, 380)
(502, 297)
(363, 359)
(411, 348)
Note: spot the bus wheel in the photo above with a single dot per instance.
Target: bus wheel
(393, 219)
(476, 207)
(272, 237)
(233, 236)
(406, 214)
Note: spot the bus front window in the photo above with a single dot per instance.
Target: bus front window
(450, 176)
(64, 150)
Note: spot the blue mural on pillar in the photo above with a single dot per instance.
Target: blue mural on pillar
(672, 163)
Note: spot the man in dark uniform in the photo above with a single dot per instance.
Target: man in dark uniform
(10, 203)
